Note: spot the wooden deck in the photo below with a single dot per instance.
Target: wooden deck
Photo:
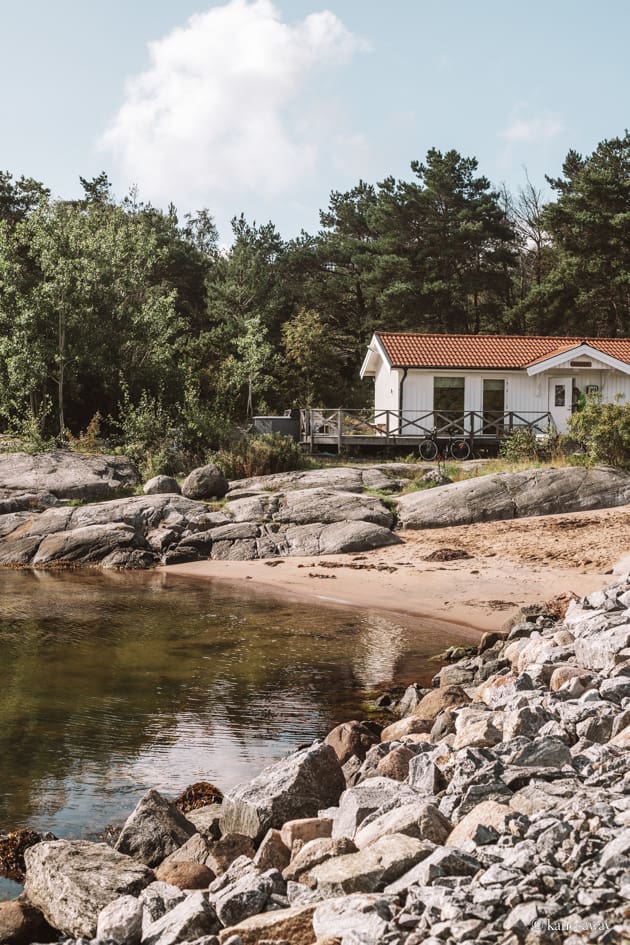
(341, 427)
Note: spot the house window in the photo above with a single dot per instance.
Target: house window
(560, 399)
(493, 405)
(493, 395)
(448, 394)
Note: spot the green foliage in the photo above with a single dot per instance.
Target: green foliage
(149, 437)
(259, 456)
(523, 444)
(604, 431)
(27, 432)
(116, 308)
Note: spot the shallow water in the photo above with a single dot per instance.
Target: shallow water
(115, 683)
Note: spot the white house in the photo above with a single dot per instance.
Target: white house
(486, 384)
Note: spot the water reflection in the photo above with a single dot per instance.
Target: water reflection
(113, 683)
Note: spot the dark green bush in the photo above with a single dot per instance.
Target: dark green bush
(523, 444)
(259, 456)
(603, 430)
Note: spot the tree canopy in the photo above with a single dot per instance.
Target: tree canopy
(118, 308)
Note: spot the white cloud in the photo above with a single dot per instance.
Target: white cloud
(536, 129)
(223, 107)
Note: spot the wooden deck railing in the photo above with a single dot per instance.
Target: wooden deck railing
(317, 423)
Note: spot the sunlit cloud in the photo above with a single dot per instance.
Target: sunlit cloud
(223, 107)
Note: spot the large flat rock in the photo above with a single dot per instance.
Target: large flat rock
(70, 881)
(67, 475)
(298, 786)
(515, 495)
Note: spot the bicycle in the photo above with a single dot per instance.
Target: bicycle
(455, 447)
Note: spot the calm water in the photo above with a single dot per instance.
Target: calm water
(111, 684)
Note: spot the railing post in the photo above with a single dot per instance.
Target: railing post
(311, 435)
(339, 431)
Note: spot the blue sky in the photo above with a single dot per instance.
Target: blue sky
(265, 106)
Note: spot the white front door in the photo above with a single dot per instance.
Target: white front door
(560, 401)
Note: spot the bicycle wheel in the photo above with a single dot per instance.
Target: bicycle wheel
(460, 449)
(428, 450)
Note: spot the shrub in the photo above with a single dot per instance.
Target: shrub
(150, 438)
(603, 429)
(27, 433)
(89, 440)
(259, 456)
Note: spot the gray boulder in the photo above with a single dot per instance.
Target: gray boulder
(205, 482)
(112, 533)
(443, 861)
(366, 916)
(369, 869)
(67, 475)
(155, 829)
(86, 545)
(71, 881)
(157, 899)
(161, 485)
(358, 802)
(419, 820)
(298, 786)
(515, 495)
(121, 921)
(338, 538)
(243, 898)
(191, 919)
(324, 506)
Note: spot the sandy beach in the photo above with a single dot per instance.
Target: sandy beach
(511, 563)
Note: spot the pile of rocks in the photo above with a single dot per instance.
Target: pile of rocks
(495, 808)
(164, 527)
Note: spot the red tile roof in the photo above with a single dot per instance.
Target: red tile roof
(488, 351)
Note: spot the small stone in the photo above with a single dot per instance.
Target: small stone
(442, 862)
(438, 700)
(353, 738)
(293, 926)
(425, 776)
(363, 799)
(395, 764)
(486, 814)
(273, 853)
(366, 916)
(543, 752)
(185, 874)
(420, 820)
(562, 674)
(315, 852)
(308, 828)
(160, 485)
(121, 921)
(243, 898)
(408, 726)
(206, 482)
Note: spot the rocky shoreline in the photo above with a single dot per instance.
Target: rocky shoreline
(338, 510)
(493, 808)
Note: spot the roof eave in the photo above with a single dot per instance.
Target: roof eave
(538, 367)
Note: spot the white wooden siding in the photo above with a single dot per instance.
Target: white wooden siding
(386, 388)
(525, 395)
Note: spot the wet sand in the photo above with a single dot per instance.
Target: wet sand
(511, 563)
